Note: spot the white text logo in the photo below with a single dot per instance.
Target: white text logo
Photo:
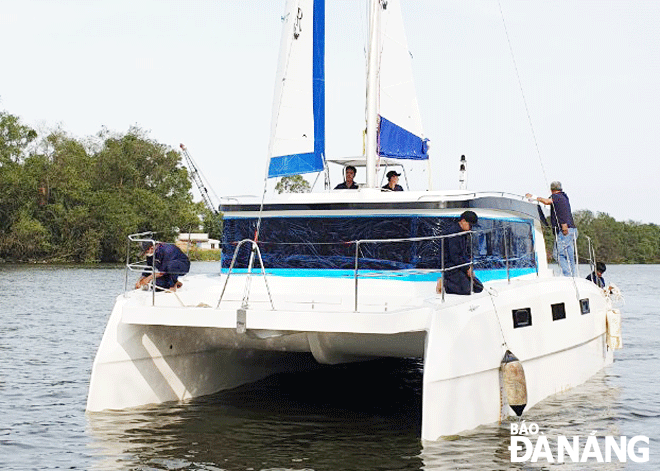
(574, 449)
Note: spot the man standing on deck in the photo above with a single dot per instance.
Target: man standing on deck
(457, 253)
(561, 219)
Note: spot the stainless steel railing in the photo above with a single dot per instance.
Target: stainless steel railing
(246, 292)
(358, 272)
(143, 266)
(507, 258)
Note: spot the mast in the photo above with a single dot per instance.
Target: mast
(372, 92)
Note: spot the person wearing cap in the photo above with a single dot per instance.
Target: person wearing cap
(561, 220)
(393, 182)
(457, 253)
(349, 175)
(597, 275)
(168, 261)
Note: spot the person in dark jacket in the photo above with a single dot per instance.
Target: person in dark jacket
(561, 219)
(349, 175)
(597, 276)
(169, 263)
(457, 253)
(393, 182)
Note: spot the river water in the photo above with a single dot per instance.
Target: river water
(355, 417)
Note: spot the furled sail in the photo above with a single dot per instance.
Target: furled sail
(400, 126)
(297, 142)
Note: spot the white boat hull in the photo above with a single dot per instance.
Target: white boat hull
(181, 347)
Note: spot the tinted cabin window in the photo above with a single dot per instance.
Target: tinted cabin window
(328, 242)
(522, 317)
(584, 306)
(558, 311)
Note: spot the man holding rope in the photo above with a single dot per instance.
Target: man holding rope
(561, 219)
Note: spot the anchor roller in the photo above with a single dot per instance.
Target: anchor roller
(513, 380)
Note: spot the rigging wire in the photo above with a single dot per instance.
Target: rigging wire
(531, 125)
(275, 120)
(522, 92)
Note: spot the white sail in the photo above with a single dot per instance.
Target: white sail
(397, 99)
(297, 133)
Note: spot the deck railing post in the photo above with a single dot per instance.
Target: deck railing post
(254, 250)
(128, 262)
(442, 269)
(263, 273)
(577, 259)
(536, 258)
(471, 262)
(506, 253)
(357, 255)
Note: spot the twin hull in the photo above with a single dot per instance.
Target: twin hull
(177, 346)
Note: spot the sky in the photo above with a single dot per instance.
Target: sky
(529, 91)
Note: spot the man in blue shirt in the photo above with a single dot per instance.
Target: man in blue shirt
(561, 219)
(169, 263)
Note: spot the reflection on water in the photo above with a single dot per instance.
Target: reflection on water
(360, 416)
(589, 407)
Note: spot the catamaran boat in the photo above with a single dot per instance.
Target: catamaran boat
(338, 276)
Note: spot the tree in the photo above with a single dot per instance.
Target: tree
(212, 223)
(140, 186)
(293, 184)
(27, 239)
(75, 202)
(15, 185)
(14, 138)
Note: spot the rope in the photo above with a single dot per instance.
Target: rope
(491, 294)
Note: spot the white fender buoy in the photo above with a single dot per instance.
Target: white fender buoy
(513, 379)
(613, 323)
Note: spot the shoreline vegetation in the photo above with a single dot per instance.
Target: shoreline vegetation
(64, 199)
(69, 200)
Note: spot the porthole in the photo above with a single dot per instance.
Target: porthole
(522, 317)
(558, 311)
(584, 306)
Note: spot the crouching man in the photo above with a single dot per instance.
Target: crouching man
(169, 263)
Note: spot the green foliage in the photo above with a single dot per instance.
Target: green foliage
(14, 138)
(615, 241)
(197, 255)
(73, 203)
(28, 238)
(212, 224)
(293, 184)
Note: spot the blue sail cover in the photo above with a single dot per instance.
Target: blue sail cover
(396, 142)
(306, 162)
(295, 164)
